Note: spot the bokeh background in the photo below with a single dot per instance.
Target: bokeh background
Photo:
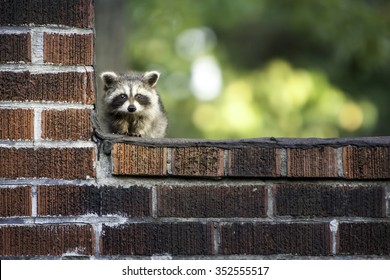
(257, 68)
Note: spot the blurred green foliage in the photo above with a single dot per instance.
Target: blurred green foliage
(261, 68)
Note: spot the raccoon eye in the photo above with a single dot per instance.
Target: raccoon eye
(122, 96)
(138, 96)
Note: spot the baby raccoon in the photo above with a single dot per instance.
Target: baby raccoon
(132, 104)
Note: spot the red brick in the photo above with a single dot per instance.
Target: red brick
(305, 239)
(70, 124)
(198, 161)
(309, 199)
(312, 162)
(15, 201)
(157, 238)
(75, 13)
(46, 240)
(254, 162)
(128, 159)
(212, 201)
(366, 162)
(60, 163)
(16, 124)
(359, 238)
(134, 201)
(68, 49)
(73, 87)
(68, 200)
(15, 48)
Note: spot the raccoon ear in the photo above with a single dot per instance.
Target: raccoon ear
(151, 78)
(109, 78)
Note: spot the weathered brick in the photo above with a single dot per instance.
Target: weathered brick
(305, 239)
(15, 48)
(304, 199)
(366, 162)
(157, 238)
(70, 124)
(212, 201)
(73, 87)
(61, 163)
(360, 238)
(68, 49)
(198, 161)
(16, 124)
(75, 13)
(68, 200)
(254, 162)
(134, 201)
(15, 201)
(312, 162)
(46, 240)
(130, 159)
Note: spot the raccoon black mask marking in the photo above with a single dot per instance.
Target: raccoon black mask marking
(132, 104)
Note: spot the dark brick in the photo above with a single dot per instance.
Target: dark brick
(312, 162)
(303, 199)
(157, 238)
(76, 13)
(130, 159)
(68, 200)
(73, 87)
(16, 124)
(212, 201)
(134, 201)
(366, 162)
(15, 48)
(60, 163)
(305, 239)
(68, 49)
(198, 161)
(70, 124)
(15, 201)
(254, 162)
(46, 240)
(371, 238)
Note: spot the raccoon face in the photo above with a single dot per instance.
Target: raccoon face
(130, 93)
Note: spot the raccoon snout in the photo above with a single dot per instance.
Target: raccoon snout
(131, 108)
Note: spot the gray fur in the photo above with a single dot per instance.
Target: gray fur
(146, 117)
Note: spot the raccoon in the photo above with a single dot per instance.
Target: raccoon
(132, 105)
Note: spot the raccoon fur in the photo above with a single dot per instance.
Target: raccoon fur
(132, 105)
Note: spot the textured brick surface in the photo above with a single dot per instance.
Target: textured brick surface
(68, 200)
(71, 87)
(312, 162)
(157, 238)
(15, 47)
(366, 162)
(198, 161)
(70, 124)
(282, 238)
(303, 199)
(46, 240)
(69, 49)
(211, 201)
(130, 159)
(15, 201)
(16, 124)
(77, 13)
(134, 201)
(254, 162)
(364, 238)
(66, 163)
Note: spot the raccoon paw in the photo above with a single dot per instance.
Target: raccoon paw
(135, 135)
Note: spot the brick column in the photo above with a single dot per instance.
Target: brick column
(46, 95)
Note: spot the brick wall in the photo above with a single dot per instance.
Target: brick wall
(63, 195)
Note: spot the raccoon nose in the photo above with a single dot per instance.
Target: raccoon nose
(131, 108)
